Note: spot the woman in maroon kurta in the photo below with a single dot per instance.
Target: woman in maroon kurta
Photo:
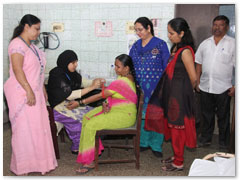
(171, 107)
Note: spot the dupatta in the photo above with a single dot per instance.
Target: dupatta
(157, 110)
(122, 86)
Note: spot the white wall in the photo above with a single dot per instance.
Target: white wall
(95, 54)
(79, 19)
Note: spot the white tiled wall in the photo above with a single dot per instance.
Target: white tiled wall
(95, 54)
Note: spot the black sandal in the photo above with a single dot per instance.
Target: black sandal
(75, 152)
(168, 160)
(170, 167)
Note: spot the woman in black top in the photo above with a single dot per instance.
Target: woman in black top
(65, 88)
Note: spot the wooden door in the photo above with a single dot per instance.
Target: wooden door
(199, 18)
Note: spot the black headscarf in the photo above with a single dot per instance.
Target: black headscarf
(66, 58)
(61, 81)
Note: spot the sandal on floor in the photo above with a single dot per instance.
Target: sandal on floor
(75, 152)
(78, 171)
(170, 167)
(168, 160)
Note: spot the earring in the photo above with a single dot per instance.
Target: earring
(128, 73)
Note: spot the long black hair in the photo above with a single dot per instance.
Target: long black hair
(26, 19)
(179, 24)
(126, 60)
(144, 21)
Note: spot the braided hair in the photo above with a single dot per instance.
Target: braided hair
(126, 60)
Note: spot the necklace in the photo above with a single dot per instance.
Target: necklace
(35, 52)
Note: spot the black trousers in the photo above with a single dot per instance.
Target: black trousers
(218, 104)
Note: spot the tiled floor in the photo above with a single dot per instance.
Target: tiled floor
(149, 164)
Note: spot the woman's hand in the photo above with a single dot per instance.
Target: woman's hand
(31, 98)
(105, 107)
(45, 94)
(72, 105)
(96, 83)
(102, 80)
(197, 86)
(17, 65)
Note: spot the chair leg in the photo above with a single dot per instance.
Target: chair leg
(137, 149)
(96, 151)
(61, 134)
(109, 151)
(53, 132)
(55, 142)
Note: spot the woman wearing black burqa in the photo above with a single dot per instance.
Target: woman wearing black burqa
(65, 89)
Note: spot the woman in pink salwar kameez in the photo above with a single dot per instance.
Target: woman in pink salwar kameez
(32, 146)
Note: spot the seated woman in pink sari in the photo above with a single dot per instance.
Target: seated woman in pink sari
(121, 113)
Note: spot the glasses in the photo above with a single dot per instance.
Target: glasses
(139, 29)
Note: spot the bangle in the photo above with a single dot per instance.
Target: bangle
(80, 102)
(103, 91)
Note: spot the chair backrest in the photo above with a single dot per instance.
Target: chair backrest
(139, 110)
